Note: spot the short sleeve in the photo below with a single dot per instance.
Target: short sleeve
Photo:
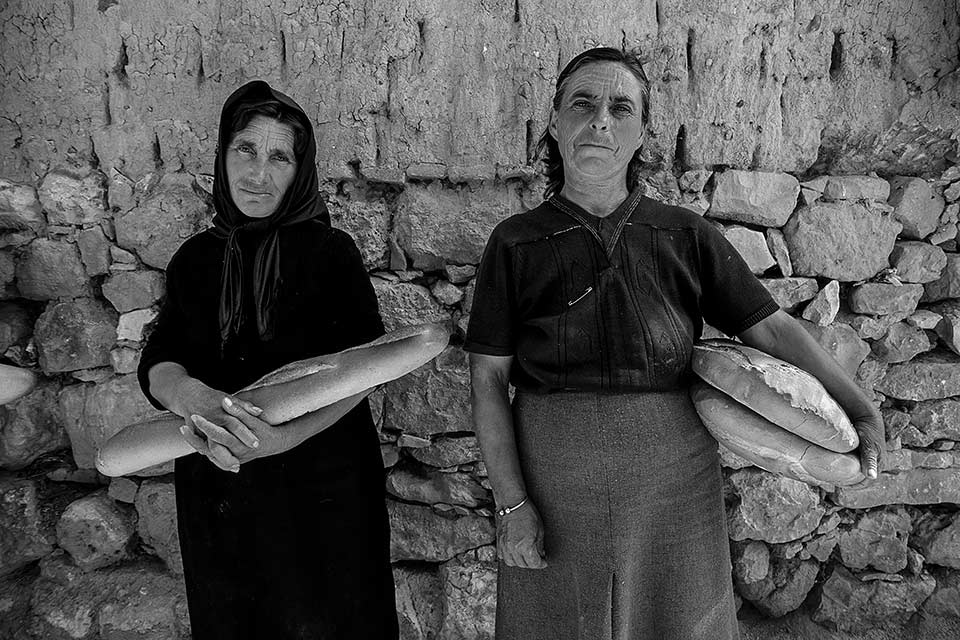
(492, 327)
(732, 298)
(164, 343)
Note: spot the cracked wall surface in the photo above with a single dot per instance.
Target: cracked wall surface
(460, 89)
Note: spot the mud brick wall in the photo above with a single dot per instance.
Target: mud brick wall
(820, 135)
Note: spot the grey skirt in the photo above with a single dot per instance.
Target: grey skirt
(629, 489)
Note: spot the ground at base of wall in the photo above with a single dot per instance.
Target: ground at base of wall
(797, 625)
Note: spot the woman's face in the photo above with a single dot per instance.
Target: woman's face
(599, 124)
(260, 166)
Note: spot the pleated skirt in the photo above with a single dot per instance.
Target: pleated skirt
(629, 490)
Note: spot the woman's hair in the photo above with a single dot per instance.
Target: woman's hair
(274, 111)
(547, 148)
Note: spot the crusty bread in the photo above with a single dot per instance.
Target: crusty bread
(784, 394)
(768, 446)
(328, 386)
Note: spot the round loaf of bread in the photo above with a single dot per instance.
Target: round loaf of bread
(766, 445)
(784, 394)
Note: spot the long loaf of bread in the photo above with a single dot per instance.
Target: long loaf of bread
(782, 393)
(768, 446)
(329, 385)
(15, 383)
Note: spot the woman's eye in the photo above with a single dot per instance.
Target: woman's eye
(282, 157)
(582, 104)
(622, 109)
(245, 149)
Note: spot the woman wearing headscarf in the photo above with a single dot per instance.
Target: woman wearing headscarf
(285, 536)
(611, 521)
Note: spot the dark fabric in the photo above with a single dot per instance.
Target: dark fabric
(578, 315)
(301, 202)
(296, 545)
(629, 490)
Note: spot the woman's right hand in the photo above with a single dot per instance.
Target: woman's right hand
(520, 538)
(226, 437)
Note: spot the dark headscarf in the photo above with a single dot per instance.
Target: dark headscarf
(300, 202)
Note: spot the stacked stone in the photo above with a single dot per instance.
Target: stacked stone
(870, 266)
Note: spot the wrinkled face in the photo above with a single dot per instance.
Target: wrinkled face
(599, 124)
(260, 166)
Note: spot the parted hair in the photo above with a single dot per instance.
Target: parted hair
(547, 148)
(274, 111)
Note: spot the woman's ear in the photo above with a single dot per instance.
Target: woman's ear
(552, 123)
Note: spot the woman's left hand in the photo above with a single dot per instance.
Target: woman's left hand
(225, 450)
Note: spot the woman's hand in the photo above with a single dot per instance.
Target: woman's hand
(520, 538)
(872, 444)
(228, 447)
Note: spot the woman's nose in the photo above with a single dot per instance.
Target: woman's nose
(258, 169)
(601, 119)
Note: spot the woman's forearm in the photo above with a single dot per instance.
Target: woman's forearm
(783, 337)
(493, 423)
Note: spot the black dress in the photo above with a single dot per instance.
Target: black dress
(295, 545)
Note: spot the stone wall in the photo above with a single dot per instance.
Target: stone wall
(819, 134)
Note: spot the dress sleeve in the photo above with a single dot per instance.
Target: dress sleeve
(165, 343)
(359, 315)
(493, 315)
(732, 298)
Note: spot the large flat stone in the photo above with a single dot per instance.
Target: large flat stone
(50, 269)
(95, 531)
(901, 343)
(941, 546)
(448, 452)
(754, 197)
(69, 198)
(932, 420)
(917, 205)
(407, 303)
(918, 262)
(772, 508)
(842, 241)
(880, 299)
(164, 219)
(435, 225)
(156, 506)
(433, 399)
(19, 206)
(856, 188)
(25, 535)
(929, 376)
(878, 539)
(30, 427)
(470, 592)
(419, 533)
(789, 293)
(432, 487)
(948, 284)
(129, 290)
(916, 486)
(848, 604)
(94, 413)
(75, 335)
(752, 247)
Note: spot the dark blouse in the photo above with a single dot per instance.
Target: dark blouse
(615, 309)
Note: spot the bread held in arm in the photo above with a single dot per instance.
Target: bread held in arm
(784, 394)
(15, 383)
(329, 385)
(756, 439)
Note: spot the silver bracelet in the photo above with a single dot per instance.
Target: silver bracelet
(504, 511)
